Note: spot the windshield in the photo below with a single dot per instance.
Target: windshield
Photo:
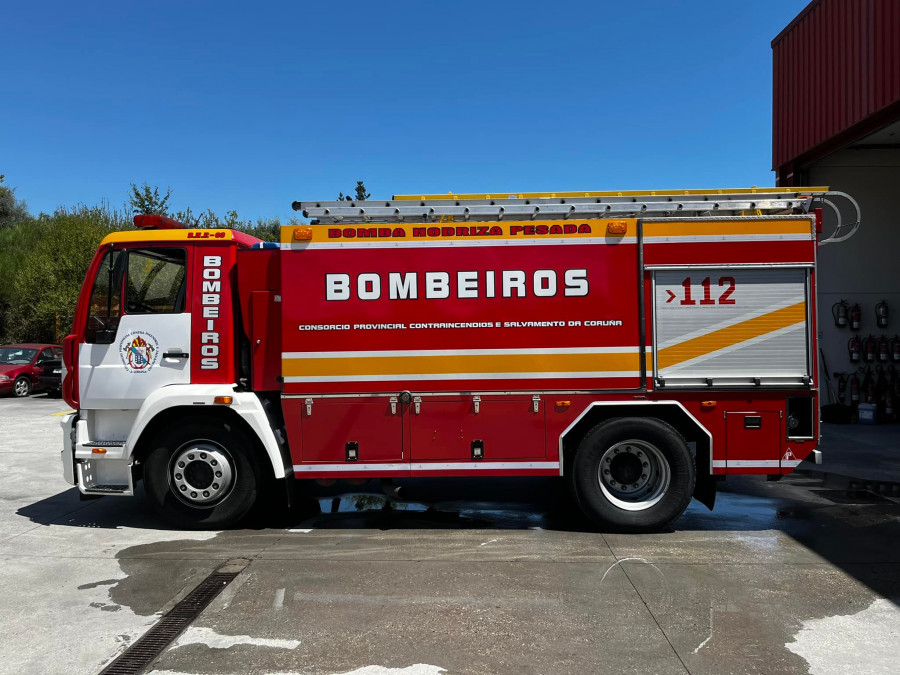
(18, 356)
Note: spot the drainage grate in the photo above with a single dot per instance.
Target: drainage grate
(152, 643)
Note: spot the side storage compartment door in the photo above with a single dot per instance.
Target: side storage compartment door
(753, 441)
(732, 326)
(506, 428)
(330, 431)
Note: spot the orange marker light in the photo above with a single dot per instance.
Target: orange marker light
(707, 405)
(563, 404)
(223, 400)
(616, 227)
(303, 233)
(99, 451)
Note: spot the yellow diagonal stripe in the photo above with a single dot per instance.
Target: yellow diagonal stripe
(491, 363)
(732, 335)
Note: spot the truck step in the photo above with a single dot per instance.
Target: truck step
(108, 489)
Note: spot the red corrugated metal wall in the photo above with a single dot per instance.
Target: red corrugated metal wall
(835, 65)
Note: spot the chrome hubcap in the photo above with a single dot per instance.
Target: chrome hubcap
(634, 475)
(201, 473)
(21, 387)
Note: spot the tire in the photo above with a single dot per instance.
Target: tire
(202, 475)
(22, 387)
(633, 475)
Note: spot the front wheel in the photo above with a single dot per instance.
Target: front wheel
(633, 475)
(202, 475)
(22, 387)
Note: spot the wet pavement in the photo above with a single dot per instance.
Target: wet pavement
(474, 576)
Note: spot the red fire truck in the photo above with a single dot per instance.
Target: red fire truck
(640, 345)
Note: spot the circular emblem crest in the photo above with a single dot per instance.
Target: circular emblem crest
(139, 352)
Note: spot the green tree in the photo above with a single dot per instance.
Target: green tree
(144, 200)
(44, 272)
(12, 211)
(361, 194)
(43, 260)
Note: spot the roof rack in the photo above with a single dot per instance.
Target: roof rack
(564, 205)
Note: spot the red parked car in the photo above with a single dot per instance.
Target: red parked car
(20, 366)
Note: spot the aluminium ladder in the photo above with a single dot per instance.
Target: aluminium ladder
(565, 205)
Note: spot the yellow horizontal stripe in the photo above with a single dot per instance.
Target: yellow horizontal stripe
(167, 235)
(590, 227)
(524, 229)
(732, 335)
(684, 229)
(492, 363)
(613, 193)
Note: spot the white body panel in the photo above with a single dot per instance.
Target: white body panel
(81, 464)
(246, 404)
(123, 374)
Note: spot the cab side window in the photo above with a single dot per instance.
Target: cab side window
(106, 300)
(156, 281)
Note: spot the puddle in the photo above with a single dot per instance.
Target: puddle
(482, 514)
(850, 496)
(355, 503)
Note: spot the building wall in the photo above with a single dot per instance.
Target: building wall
(865, 268)
(836, 73)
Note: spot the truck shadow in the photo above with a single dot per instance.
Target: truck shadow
(804, 518)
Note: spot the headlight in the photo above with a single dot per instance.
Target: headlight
(4, 378)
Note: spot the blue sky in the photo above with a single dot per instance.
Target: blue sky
(249, 106)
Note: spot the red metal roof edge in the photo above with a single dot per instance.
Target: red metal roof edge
(797, 19)
(845, 138)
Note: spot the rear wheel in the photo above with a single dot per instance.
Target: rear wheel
(202, 475)
(633, 475)
(22, 387)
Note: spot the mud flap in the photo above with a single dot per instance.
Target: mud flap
(705, 485)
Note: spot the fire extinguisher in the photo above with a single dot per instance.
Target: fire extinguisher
(883, 348)
(868, 387)
(855, 314)
(853, 346)
(868, 348)
(842, 386)
(881, 314)
(839, 312)
(895, 348)
(854, 389)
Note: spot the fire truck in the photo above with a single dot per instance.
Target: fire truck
(639, 345)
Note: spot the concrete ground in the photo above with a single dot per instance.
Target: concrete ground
(799, 576)
(870, 453)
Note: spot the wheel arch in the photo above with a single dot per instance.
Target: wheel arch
(196, 403)
(672, 413)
